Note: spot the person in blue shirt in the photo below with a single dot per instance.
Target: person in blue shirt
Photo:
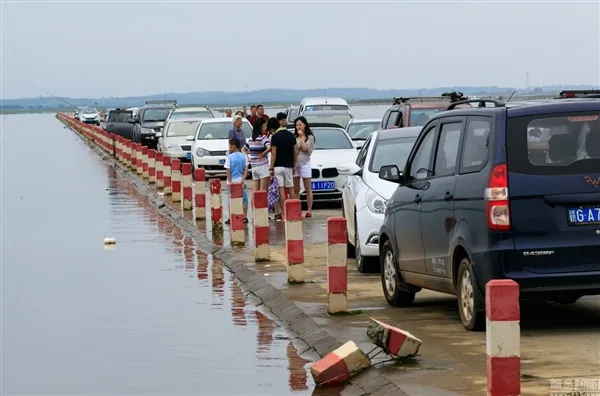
(236, 164)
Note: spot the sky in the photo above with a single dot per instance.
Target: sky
(130, 48)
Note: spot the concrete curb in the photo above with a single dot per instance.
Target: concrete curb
(310, 338)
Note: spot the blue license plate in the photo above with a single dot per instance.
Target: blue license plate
(583, 215)
(222, 162)
(188, 155)
(323, 185)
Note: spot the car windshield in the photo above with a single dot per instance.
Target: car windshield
(362, 130)
(328, 118)
(292, 114)
(182, 128)
(391, 152)
(89, 111)
(331, 139)
(419, 117)
(191, 114)
(554, 144)
(119, 116)
(220, 130)
(151, 115)
(325, 107)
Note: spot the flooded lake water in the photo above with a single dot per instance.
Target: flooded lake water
(153, 315)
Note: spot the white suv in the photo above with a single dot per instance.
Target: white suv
(89, 116)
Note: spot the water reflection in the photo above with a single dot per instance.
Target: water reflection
(238, 303)
(188, 252)
(218, 281)
(264, 337)
(202, 269)
(297, 367)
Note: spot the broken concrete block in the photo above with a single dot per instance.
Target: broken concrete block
(338, 366)
(392, 340)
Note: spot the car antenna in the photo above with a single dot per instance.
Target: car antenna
(511, 95)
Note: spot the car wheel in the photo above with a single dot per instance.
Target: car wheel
(350, 251)
(365, 264)
(392, 291)
(468, 299)
(567, 300)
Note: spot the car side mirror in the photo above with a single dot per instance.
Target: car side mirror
(190, 138)
(391, 173)
(349, 169)
(158, 134)
(131, 121)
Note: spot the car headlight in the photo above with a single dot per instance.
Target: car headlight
(172, 147)
(200, 152)
(375, 202)
(147, 130)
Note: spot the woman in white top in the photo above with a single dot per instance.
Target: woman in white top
(305, 140)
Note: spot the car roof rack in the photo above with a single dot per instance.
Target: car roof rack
(159, 102)
(579, 93)
(481, 101)
(451, 96)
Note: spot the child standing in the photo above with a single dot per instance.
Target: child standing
(237, 170)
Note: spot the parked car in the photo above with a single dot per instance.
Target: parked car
(360, 130)
(365, 196)
(211, 144)
(333, 146)
(479, 200)
(322, 104)
(332, 117)
(292, 114)
(149, 120)
(120, 122)
(173, 140)
(89, 115)
(416, 111)
(580, 93)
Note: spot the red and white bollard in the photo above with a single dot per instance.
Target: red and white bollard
(186, 186)
(236, 214)
(260, 204)
(175, 180)
(139, 169)
(118, 145)
(337, 276)
(145, 162)
(152, 166)
(503, 338)
(167, 174)
(160, 175)
(200, 193)
(294, 243)
(216, 208)
(130, 155)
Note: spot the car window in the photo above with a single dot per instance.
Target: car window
(191, 114)
(391, 152)
(182, 128)
(220, 130)
(332, 139)
(362, 154)
(153, 115)
(447, 149)
(420, 117)
(392, 121)
(475, 151)
(362, 130)
(421, 162)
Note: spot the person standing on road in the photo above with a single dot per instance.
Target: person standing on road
(245, 111)
(282, 118)
(252, 115)
(305, 142)
(237, 132)
(228, 113)
(260, 113)
(236, 164)
(255, 146)
(284, 153)
(239, 113)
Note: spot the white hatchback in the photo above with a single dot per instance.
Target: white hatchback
(365, 195)
(172, 140)
(210, 144)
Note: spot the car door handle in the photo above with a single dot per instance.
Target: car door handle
(448, 196)
(418, 198)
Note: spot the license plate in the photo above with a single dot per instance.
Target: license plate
(583, 215)
(222, 162)
(188, 155)
(323, 185)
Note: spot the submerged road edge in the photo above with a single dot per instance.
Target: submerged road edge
(309, 336)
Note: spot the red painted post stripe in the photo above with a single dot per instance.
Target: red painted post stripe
(167, 164)
(260, 200)
(235, 190)
(151, 169)
(186, 169)
(337, 280)
(215, 186)
(334, 367)
(295, 251)
(200, 175)
(261, 236)
(502, 300)
(503, 376)
(293, 210)
(216, 214)
(159, 160)
(175, 166)
(187, 192)
(336, 230)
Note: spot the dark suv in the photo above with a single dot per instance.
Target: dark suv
(150, 120)
(509, 191)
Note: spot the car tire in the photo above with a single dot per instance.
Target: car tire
(468, 298)
(364, 264)
(567, 300)
(390, 281)
(350, 251)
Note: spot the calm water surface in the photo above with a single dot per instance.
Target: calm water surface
(154, 315)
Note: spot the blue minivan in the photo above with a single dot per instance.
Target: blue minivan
(502, 190)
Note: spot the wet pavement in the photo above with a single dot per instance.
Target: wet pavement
(150, 315)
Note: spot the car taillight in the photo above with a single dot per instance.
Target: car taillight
(496, 197)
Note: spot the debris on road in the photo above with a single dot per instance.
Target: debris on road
(394, 341)
(110, 241)
(340, 365)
